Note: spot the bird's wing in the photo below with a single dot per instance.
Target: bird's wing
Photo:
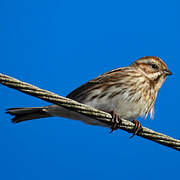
(104, 79)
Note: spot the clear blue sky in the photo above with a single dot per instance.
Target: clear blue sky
(58, 45)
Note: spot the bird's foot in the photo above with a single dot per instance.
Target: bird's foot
(116, 120)
(137, 128)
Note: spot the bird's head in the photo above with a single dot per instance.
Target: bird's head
(153, 68)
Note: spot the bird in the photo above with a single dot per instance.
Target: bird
(126, 93)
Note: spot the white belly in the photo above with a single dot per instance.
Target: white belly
(125, 109)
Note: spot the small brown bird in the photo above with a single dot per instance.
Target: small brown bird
(129, 92)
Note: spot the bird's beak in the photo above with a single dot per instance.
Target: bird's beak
(167, 72)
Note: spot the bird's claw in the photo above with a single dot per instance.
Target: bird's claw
(116, 120)
(137, 128)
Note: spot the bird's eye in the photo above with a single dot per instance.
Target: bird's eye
(154, 66)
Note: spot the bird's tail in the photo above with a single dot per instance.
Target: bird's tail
(29, 113)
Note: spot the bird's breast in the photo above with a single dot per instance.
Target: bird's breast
(127, 105)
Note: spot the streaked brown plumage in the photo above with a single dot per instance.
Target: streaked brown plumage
(130, 92)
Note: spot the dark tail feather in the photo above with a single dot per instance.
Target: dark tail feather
(24, 114)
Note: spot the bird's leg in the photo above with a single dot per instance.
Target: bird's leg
(116, 120)
(137, 127)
